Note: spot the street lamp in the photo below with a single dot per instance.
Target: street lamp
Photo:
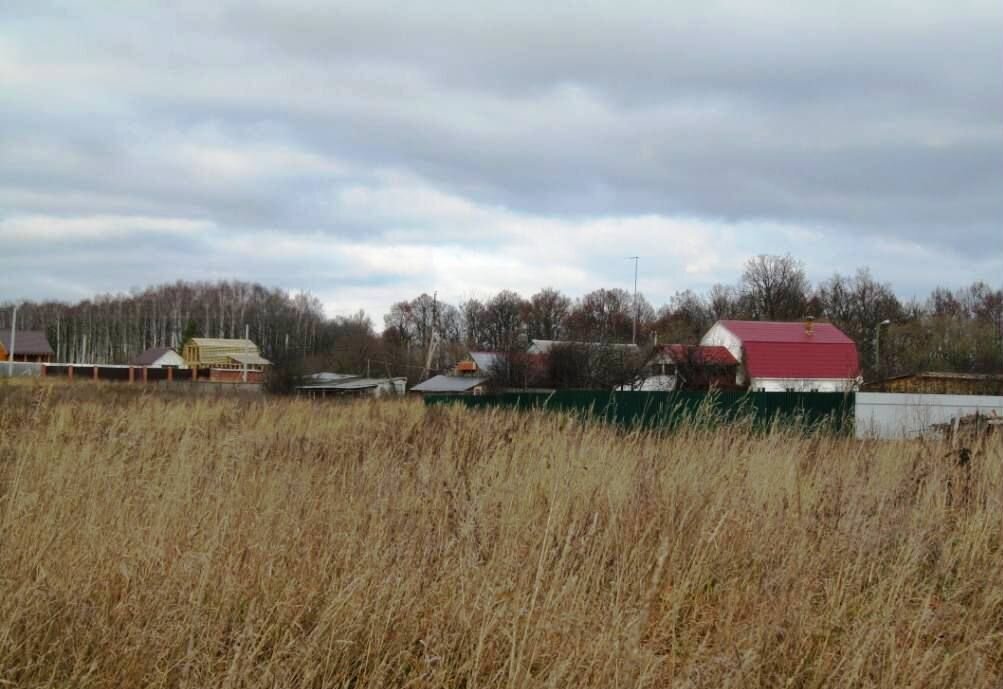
(877, 345)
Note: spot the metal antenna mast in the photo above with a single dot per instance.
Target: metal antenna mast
(635, 259)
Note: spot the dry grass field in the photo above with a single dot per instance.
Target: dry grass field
(165, 542)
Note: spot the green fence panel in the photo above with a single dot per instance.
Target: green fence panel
(833, 411)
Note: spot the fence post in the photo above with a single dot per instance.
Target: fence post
(94, 373)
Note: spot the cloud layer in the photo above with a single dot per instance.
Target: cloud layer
(367, 152)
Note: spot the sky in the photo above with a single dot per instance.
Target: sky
(367, 152)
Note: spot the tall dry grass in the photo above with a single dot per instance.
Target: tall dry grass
(198, 543)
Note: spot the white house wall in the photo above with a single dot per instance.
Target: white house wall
(169, 359)
(801, 385)
(720, 336)
(895, 415)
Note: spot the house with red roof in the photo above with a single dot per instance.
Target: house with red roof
(793, 357)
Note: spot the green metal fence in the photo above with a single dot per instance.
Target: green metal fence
(831, 411)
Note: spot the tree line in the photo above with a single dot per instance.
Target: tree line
(952, 330)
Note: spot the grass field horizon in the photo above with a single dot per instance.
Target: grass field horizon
(176, 542)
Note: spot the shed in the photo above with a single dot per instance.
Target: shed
(452, 385)
(31, 345)
(941, 383)
(159, 357)
(348, 385)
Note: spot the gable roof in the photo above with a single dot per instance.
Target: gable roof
(449, 384)
(150, 356)
(712, 355)
(486, 361)
(26, 342)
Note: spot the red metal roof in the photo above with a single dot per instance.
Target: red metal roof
(713, 355)
(786, 350)
(773, 331)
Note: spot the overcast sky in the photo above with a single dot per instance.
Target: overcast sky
(367, 152)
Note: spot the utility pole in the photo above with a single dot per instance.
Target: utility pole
(635, 259)
(13, 335)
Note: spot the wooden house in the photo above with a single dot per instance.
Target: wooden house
(30, 345)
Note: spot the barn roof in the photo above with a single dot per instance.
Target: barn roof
(26, 342)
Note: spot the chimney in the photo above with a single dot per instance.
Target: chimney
(809, 325)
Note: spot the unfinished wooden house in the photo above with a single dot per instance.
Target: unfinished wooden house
(238, 355)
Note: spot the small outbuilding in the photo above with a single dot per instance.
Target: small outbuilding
(941, 383)
(159, 357)
(347, 385)
(453, 385)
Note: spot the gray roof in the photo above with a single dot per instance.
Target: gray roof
(450, 384)
(485, 360)
(249, 358)
(327, 377)
(26, 342)
(150, 356)
(348, 383)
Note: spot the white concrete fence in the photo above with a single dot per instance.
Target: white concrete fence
(20, 369)
(897, 416)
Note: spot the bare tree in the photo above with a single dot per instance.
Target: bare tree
(775, 287)
(548, 309)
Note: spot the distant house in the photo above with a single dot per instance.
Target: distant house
(205, 352)
(782, 356)
(453, 385)
(159, 357)
(691, 367)
(29, 345)
(322, 385)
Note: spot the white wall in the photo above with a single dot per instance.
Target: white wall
(657, 383)
(170, 359)
(720, 336)
(802, 384)
(895, 415)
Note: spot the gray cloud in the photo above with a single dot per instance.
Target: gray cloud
(361, 131)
